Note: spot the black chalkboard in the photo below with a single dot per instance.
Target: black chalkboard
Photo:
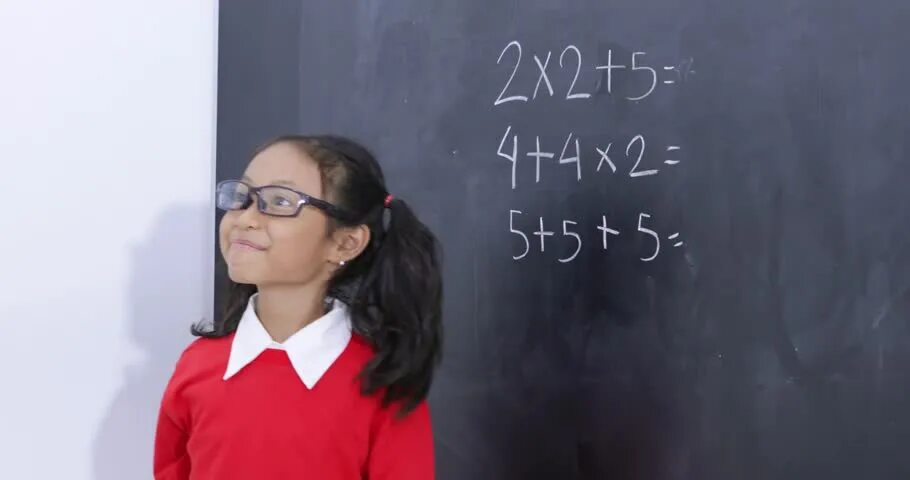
(764, 145)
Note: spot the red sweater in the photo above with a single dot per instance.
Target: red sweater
(264, 424)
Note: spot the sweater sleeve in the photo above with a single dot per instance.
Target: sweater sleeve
(402, 448)
(171, 460)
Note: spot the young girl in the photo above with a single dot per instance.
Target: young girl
(320, 367)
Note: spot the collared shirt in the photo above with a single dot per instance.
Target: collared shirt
(286, 430)
(311, 350)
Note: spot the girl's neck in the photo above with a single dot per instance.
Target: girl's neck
(285, 309)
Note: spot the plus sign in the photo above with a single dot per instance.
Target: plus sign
(542, 234)
(609, 68)
(606, 230)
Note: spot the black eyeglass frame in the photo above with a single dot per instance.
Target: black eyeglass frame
(305, 199)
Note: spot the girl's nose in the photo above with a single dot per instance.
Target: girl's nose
(250, 217)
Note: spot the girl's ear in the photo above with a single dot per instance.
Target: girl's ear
(350, 242)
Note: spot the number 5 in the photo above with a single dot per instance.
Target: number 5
(653, 77)
(651, 233)
(566, 232)
(519, 233)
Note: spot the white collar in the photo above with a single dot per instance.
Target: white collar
(312, 349)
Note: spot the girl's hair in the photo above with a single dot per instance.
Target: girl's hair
(393, 289)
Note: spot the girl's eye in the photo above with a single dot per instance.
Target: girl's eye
(280, 201)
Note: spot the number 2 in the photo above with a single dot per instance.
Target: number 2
(521, 98)
(569, 94)
(633, 173)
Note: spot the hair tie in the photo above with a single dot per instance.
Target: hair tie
(388, 200)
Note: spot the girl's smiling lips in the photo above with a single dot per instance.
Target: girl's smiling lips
(246, 244)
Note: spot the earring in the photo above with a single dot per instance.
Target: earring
(341, 263)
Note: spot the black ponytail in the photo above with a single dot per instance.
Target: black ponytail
(393, 289)
(404, 289)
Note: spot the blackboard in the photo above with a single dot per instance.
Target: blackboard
(761, 146)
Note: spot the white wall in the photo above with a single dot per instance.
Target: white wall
(107, 113)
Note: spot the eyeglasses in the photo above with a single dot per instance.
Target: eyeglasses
(271, 200)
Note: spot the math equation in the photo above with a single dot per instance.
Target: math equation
(631, 157)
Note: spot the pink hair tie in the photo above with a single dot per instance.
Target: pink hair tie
(388, 200)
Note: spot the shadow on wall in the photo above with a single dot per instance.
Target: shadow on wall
(169, 290)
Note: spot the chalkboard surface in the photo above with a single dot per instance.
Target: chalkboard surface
(675, 231)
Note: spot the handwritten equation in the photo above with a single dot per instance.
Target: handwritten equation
(571, 154)
(571, 58)
(627, 157)
(574, 240)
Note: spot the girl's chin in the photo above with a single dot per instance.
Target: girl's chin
(242, 275)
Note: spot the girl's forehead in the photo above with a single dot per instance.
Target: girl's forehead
(284, 165)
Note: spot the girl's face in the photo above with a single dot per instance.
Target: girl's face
(266, 250)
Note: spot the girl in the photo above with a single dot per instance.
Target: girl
(321, 364)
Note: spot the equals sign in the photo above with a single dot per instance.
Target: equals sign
(672, 149)
(674, 237)
(669, 69)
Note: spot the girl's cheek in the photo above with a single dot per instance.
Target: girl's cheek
(224, 229)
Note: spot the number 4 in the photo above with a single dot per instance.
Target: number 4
(514, 156)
